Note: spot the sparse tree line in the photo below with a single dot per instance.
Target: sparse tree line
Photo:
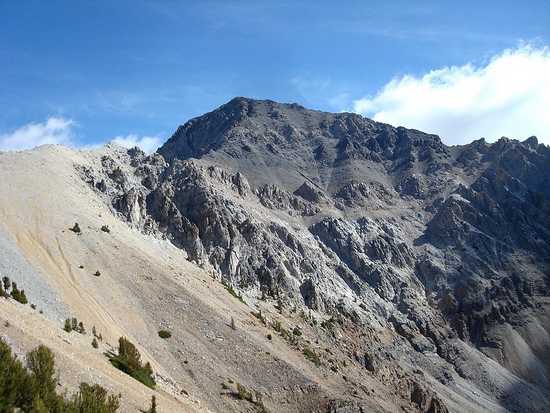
(9, 289)
(127, 359)
(72, 324)
(31, 387)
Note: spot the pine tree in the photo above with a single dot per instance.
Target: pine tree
(94, 399)
(15, 388)
(148, 369)
(128, 352)
(128, 360)
(14, 291)
(94, 331)
(38, 406)
(68, 326)
(94, 343)
(233, 326)
(41, 365)
(22, 297)
(32, 389)
(81, 328)
(153, 408)
(74, 324)
(18, 295)
(279, 305)
(7, 283)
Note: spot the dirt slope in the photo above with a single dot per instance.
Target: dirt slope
(145, 285)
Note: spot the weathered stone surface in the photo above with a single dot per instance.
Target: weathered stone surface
(385, 227)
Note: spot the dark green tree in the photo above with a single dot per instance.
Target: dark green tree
(94, 399)
(32, 389)
(41, 365)
(68, 327)
(15, 383)
(14, 291)
(7, 283)
(153, 408)
(128, 360)
(23, 297)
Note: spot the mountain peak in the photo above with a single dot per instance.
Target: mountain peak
(286, 140)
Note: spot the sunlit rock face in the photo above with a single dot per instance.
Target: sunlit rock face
(447, 247)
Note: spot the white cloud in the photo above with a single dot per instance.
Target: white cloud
(509, 96)
(148, 144)
(56, 130)
(53, 131)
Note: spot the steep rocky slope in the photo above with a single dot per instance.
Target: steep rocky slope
(390, 271)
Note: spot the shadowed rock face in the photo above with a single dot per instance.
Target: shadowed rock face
(445, 246)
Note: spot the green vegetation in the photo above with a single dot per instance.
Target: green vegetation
(255, 398)
(328, 324)
(243, 393)
(153, 408)
(68, 327)
(277, 326)
(72, 324)
(105, 228)
(95, 344)
(284, 333)
(165, 334)
(311, 356)
(128, 360)
(18, 295)
(7, 283)
(259, 316)
(76, 228)
(96, 335)
(31, 389)
(234, 293)
(232, 325)
(97, 273)
(279, 306)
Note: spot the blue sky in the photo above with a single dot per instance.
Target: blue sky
(133, 69)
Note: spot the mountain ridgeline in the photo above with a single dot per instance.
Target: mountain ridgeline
(432, 260)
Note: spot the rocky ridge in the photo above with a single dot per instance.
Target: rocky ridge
(417, 258)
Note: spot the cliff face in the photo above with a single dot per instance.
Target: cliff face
(413, 254)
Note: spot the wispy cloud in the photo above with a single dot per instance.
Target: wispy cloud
(148, 144)
(508, 96)
(54, 130)
(58, 130)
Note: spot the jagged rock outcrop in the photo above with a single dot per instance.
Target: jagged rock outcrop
(335, 213)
